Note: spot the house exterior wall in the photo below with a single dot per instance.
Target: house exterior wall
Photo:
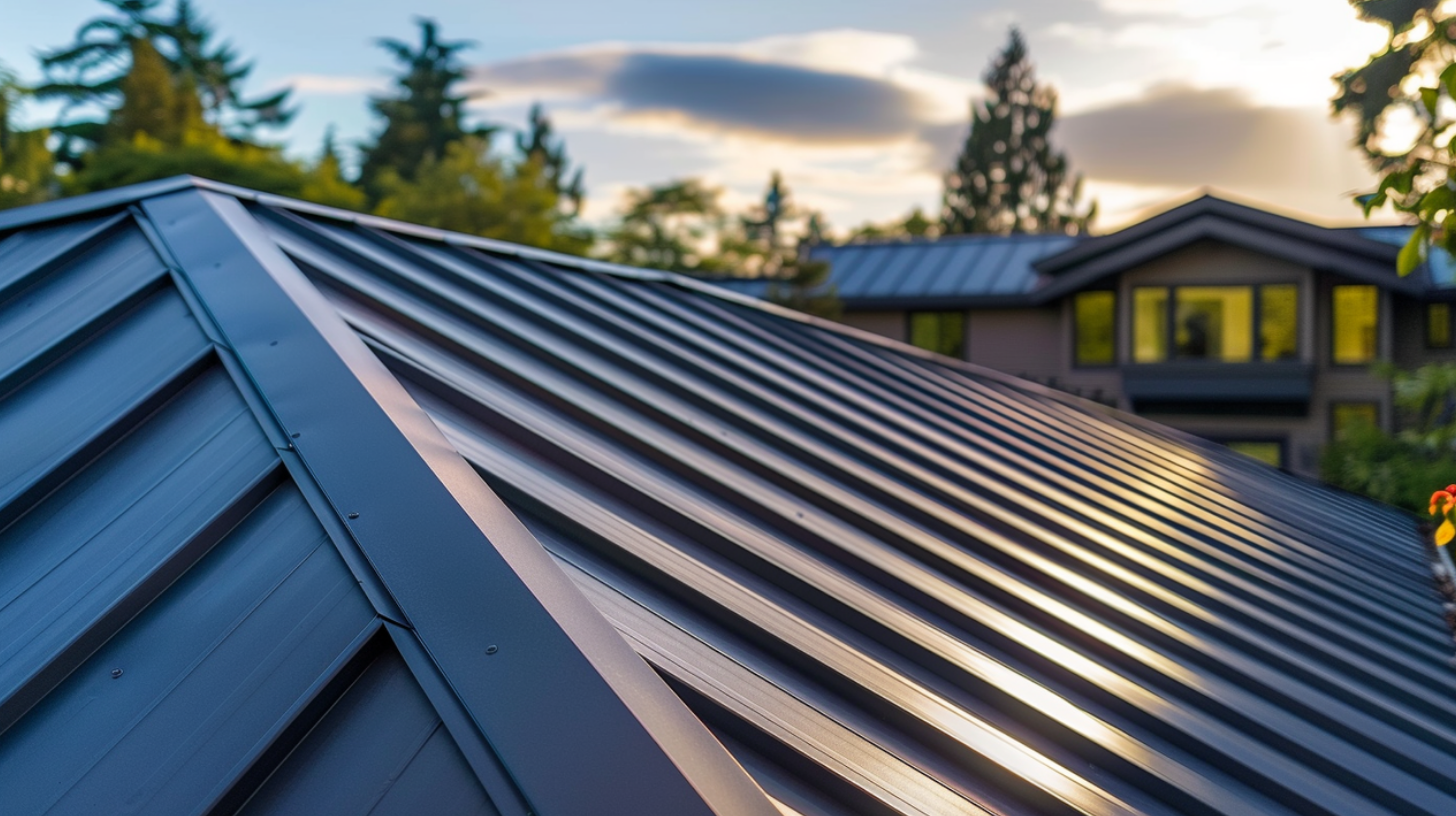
(891, 324)
(1024, 342)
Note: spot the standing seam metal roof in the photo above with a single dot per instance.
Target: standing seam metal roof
(890, 583)
(896, 584)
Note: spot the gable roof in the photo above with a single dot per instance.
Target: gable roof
(239, 562)
(890, 583)
(1207, 217)
(979, 271)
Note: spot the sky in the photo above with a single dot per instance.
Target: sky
(861, 105)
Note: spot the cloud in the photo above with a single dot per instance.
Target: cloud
(836, 87)
(1176, 135)
(323, 85)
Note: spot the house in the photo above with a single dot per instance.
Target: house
(306, 511)
(1242, 326)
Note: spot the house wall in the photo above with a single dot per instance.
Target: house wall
(891, 324)
(1024, 342)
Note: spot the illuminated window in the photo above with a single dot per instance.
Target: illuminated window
(1094, 323)
(1150, 324)
(1345, 416)
(1279, 322)
(1270, 453)
(1356, 324)
(940, 332)
(1438, 326)
(1216, 323)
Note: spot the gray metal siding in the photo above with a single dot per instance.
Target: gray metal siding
(911, 588)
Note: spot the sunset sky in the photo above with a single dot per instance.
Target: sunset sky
(860, 104)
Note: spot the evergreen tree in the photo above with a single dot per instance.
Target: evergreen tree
(1008, 179)
(325, 182)
(537, 144)
(424, 118)
(769, 248)
(89, 72)
(158, 130)
(471, 190)
(671, 226)
(26, 164)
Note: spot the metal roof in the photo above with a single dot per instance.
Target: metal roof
(972, 271)
(241, 571)
(890, 583)
(948, 273)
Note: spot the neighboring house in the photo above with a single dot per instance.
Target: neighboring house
(303, 511)
(1233, 323)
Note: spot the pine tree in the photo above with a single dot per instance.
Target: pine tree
(538, 144)
(769, 249)
(91, 70)
(1008, 179)
(424, 118)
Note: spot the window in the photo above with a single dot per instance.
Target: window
(1270, 453)
(1278, 322)
(1347, 415)
(1150, 324)
(1438, 325)
(940, 332)
(1356, 322)
(1094, 324)
(1216, 323)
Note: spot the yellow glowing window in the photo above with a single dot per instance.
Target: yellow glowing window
(1095, 326)
(1150, 324)
(940, 332)
(1438, 326)
(1270, 453)
(1279, 322)
(1214, 323)
(1356, 324)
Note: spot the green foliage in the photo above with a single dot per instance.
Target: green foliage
(1008, 179)
(537, 144)
(769, 248)
(1400, 468)
(671, 226)
(423, 119)
(324, 182)
(471, 190)
(158, 131)
(26, 165)
(91, 71)
(914, 225)
(1414, 74)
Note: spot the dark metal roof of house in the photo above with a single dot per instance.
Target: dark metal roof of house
(949, 273)
(889, 582)
(1023, 270)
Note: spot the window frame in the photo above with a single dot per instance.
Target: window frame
(1334, 334)
(1116, 333)
(1256, 340)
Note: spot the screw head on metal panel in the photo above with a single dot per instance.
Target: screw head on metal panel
(492, 649)
(115, 673)
(353, 515)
